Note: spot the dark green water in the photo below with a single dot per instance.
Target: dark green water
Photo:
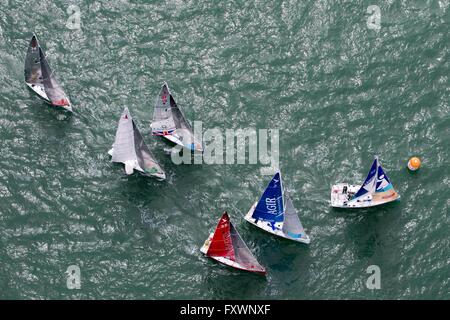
(338, 91)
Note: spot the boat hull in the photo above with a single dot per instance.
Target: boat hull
(177, 141)
(342, 193)
(135, 165)
(227, 262)
(267, 227)
(40, 91)
(67, 107)
(172, 136)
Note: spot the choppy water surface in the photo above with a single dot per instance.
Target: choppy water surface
(338, 91)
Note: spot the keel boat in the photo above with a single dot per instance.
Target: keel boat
(226, 246)
(40, 78)
(276, 214)
(170, 122)
(376, 189)
(130, 149)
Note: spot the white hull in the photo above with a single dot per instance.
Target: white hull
(268, 227)
(223, 260)
(342, 193)
(176, 140)
(205, 246)
(39, 90)
(174, 137)
(134, 165)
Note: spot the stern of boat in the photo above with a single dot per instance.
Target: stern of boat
(341, 194)
(205, 247)
(68, 108)
(305, 240)
(173, 139)
(160, 176)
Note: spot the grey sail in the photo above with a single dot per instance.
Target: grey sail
(162, 115)
(53, 90)
(124, 148)
(292, 225)
(178, 116)
(33, 74)
(241, 252)
(145, 158)
(167, 115)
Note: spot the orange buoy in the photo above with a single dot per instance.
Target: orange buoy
(414, 164)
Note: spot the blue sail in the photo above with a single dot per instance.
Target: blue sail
(383, 183)
(367, 186)
(270, 207)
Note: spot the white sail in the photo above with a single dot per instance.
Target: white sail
(124, 149)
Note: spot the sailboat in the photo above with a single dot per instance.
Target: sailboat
(226, 246)
(130, 149)
(276, 214)
(376, 189)
(170, 122)
(41, 80)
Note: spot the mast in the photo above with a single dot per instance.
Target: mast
(282, 190)
(375, 178)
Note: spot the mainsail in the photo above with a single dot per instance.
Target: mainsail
(163, 121)
(53, 90)
(221, 243)
(270, 206)
(33, 74)
(369, 184)
(227, 243)
(124, 148)
(292, 225)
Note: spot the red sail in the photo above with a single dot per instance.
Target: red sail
(221, 243)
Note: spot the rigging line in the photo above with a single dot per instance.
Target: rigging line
(238, 210)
